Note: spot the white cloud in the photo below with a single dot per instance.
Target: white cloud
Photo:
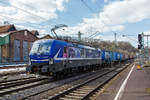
(114, 16)
(41, 31)
(128, 11)
(7, 10)
(45, 9)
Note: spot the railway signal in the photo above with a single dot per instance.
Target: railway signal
(140, 46)
(140, 40)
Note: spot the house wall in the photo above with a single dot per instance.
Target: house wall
(21, 36)
(5, 53)
(4, 49)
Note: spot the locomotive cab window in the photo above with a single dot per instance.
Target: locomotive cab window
(41, 47)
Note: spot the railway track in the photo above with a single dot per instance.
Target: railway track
(14, 80)
(83, 90)
(21, 84)
(9, 84)
(56, 90)
(38, 88)
(61, 85)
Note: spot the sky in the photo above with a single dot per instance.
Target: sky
(106, 17)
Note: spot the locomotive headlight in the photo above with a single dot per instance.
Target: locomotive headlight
(51, 61)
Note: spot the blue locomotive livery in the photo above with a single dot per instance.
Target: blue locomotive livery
(57, 57)
(50, 56)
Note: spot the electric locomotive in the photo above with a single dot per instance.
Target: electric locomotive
(57, 57)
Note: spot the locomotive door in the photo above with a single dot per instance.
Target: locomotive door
(16, 50)
(25, 51)
(65, 55)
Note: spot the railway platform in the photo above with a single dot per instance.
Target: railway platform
(131, 84)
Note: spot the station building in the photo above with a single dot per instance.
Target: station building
(15, 44)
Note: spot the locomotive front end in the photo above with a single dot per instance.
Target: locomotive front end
(40, 56)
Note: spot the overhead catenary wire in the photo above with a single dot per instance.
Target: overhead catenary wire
(93, 12)
(24, 10)
(31, 24)
(127, 36)
(39, 26)
(85, 4)
(102, 22)
(20, 20)
(59, 17)
(35, 15)
(97, 32)
(28, 12)
(97, 3)
(38, 15)
(106, 15)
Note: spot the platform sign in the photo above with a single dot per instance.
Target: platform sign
(138, 66)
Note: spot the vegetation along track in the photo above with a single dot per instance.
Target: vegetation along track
(84, 90)
(7, 87)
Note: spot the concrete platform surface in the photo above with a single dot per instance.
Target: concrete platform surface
(131, 84)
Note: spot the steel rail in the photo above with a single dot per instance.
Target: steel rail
(26, 97)
(24, 86)
(12, 80)
(62, 94)
(20, 82)
(102, 84)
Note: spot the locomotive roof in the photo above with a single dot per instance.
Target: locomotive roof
(69, 44)
(77, 45)
(44, 40)
(87, 47)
